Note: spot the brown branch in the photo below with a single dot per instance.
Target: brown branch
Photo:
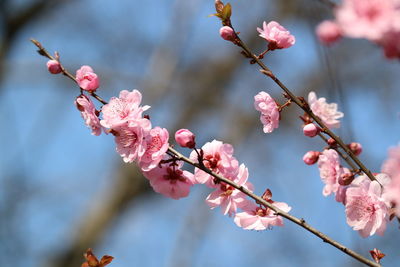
(301, 222)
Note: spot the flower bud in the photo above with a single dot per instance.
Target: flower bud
(87, 79)
(356, 148)
(332, 142)
(227, 33)
(185, 138)
(328, 32)
(53, 66)
(311, 157)
(346, 178)
(310, 130)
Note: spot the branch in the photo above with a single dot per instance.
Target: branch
(301, 222)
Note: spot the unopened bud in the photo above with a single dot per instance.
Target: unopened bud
(332, 142)
(310, 130)
(311, 157)
(219, 6)
(54, 66)
(185, 138)
(227, 33)
(356, 148)
(346, 178)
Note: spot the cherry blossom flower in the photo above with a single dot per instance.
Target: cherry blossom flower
(277, 36)
(87, 79)
(264, 103)
(131, 139)
(229, 198)
(218, 157)
(328, 32)
(366, 209)
(156, 147)
(170, 181)
(123, 109)
(255, 217)
(330, 170)
(89, 113)
(366, 19)
(328, 113)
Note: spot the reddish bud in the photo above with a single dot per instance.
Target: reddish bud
(332, 142)
(377, 255)
(227, 33)
(185, 138)
(356, 148)
(310, 130)
(54, 66)
(346, 178)
(311, 157)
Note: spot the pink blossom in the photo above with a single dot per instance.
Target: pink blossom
(156, 147)
(123, 109)
(218, 157)
(229, 198)
(87, 79)
(185, 138)
(89, 113)
(54, 66)
(366, 19)
(227, 33)
(264, 103)
(131, 139)
(255, 217)
(170, 181)
(366, 210)
(391, 166)
(328, 32)
(330, 171)
(277, 36)
(328, 113)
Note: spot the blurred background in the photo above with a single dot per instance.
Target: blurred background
(63, 190)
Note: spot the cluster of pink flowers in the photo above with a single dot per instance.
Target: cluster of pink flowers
(137, 141)
(367, 203)
(270, 115)
(375, 20)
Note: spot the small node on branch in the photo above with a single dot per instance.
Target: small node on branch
(92, 261)
(377, 255)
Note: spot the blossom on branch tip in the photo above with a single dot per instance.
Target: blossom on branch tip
(255, 217)
(89, 113)
(170, 181)
(270, 115)
(328, 113)
(54, 66)
(276, 35)
(87, 79)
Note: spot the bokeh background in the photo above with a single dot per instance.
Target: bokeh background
(64, 190)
